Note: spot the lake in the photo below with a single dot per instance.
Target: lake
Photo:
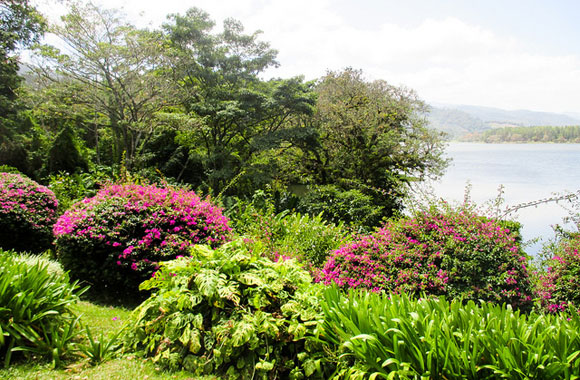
(528, 172)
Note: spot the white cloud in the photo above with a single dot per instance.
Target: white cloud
(444, 60)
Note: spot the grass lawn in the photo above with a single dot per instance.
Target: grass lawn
(100, 319)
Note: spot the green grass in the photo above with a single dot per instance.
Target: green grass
(100, 319)
(128, 367)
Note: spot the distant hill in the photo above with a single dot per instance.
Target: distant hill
(459, 120)
(454, 122)
(523, 118)
(575, 115)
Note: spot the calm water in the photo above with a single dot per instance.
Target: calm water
(528, 172)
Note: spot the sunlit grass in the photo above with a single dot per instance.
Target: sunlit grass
(125, 368)
(100, 319)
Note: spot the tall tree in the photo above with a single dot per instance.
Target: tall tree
(371, 136)
(20, 26)
(113, 67)
(233, 114)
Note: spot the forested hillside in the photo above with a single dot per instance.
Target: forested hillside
(468, 122)
(569, 134)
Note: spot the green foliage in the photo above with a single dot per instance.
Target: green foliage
(372, 137)
(441, 251)
(70, 188)
(397, 337)
(35, 309)
(229, 115)
(351, 207)
(308, 238)
(64, 153)
(117, 101)
(44, 260)
(20, 26)
(231, 312)
(102, 348)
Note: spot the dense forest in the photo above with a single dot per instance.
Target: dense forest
(567, 134)
(188, 103)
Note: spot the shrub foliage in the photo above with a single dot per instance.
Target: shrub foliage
(310, 239)
(232, 312)
(442, 252)
(27, 213)
(35, 308)
(342, 206)
(116, 239)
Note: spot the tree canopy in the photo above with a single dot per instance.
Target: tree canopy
(20, 26)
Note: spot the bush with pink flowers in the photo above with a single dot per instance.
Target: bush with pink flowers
(115, 239)
(27, 214)
(452, 252)
(560, 286)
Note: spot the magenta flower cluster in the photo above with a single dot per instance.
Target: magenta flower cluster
(449, 252)
(559, 287)
(135, 226)
(28, 211)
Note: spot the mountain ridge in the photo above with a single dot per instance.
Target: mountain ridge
(459, 120)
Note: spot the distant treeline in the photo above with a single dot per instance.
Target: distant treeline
(567, 134)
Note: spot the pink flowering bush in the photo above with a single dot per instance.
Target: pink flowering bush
(450, 252)
(116, 239)
(27, 214)
(560, 285)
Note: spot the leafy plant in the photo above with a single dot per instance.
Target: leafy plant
(116, 239)
(447, 251)
(35, 309)
(310, 239)
(27, 213)
(70, 188)
(397, 337)
(102, 348)
(351, 207)
(44, 259)
(233, 312)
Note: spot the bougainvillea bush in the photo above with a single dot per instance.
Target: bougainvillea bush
(27, 214)
(441, 251)
(116, 239)
(560, 285)
(234, 313)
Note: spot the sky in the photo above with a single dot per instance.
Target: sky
(510, 54)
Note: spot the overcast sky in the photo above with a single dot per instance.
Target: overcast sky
(511, 54)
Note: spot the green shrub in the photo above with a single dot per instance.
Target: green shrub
(560, 285)
(27, 213)
(310, 239)
(231, 312)
(116, 239)
(452, 252)
(70, 188)
(396, 337)
(337, 205)
(35, 309)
